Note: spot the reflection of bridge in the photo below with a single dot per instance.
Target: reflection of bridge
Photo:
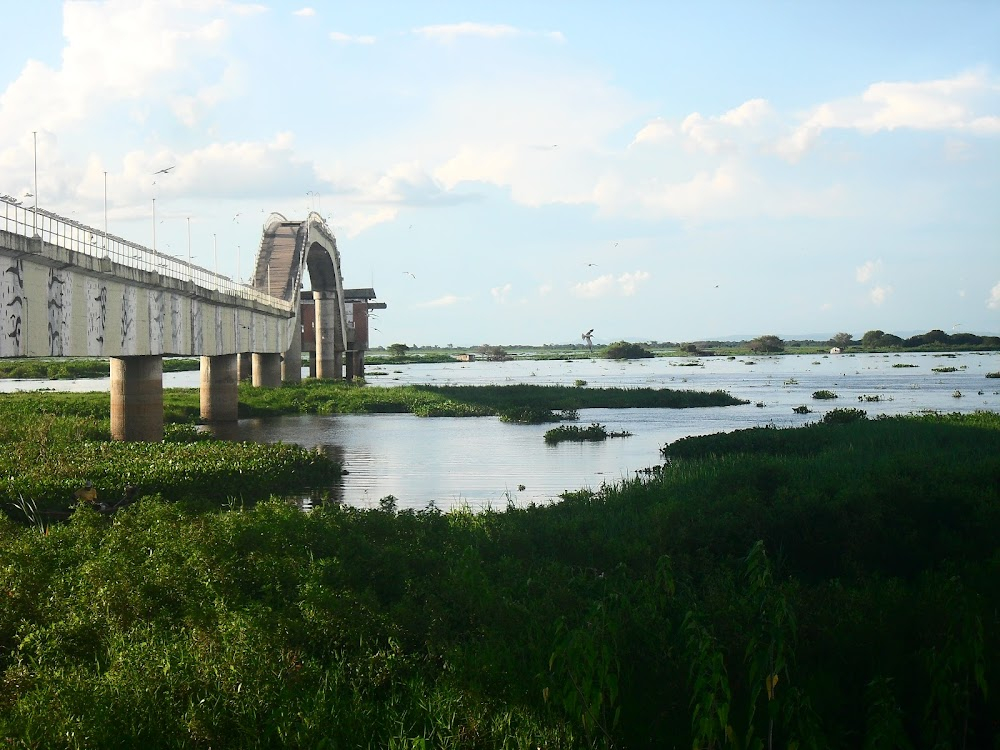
(69, 290)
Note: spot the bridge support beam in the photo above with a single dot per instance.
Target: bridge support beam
(137, 398)
(329, 365)
(220, 394)
(291, 362)
(245, 366)
(267, 370)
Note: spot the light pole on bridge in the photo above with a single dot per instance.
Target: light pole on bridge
(34, 211)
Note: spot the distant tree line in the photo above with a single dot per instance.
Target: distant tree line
(935, 339)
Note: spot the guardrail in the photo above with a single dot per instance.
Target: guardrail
(61, 232)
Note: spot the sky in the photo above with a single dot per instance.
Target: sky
(521, 172)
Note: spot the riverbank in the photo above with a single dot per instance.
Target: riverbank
(830, 586)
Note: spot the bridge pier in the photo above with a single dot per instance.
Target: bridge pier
(137, 398)
(266, 370)
(220, 393)
(244, 366)
(291, 362)
(329, 364)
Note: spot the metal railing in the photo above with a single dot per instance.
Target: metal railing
(61, 232)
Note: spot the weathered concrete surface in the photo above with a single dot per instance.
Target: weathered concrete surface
(267, 370)
(220, 393)
(137, 398)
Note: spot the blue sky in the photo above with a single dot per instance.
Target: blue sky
(653, 170)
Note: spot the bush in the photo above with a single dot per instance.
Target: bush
(824, 395)
(844, 416)
(626, 350)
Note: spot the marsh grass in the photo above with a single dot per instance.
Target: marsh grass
(827, 586)
(594, 433)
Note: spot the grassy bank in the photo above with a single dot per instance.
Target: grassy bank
(834, 586)
(72, 369)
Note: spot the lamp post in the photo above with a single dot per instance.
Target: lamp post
(154, 225)
(190, 267)
(34, 211)
(106, 213)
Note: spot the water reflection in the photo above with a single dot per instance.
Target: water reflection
(482, 462)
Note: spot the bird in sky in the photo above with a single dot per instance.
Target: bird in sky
(591, 264)
(588, 338)
(237, 216)
(407, 273)
(165, 170)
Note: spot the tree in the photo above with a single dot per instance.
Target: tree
(872, 339)
(493, 353)
(767, 343)
(398, 350)
(842, 340)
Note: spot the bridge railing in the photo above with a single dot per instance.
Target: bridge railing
(61, 232)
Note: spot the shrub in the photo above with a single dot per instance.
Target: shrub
(824, 395)
(626, 350)
(844, 416)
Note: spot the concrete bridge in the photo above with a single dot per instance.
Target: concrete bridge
(69, 290)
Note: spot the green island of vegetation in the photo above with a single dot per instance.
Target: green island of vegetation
(830, 586)
(593, 433)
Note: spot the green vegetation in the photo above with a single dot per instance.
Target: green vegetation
(593, 433)
(626, 350)
(50, 449)
(824, 395)
(326, 397)
(71, 369)
(767, 344)
(831, 586)
(993, 374)
(944, 369)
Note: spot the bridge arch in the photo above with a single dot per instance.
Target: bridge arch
(288, 250)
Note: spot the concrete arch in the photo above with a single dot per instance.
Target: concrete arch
(289, 249)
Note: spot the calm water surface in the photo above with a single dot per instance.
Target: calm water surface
(481, 462)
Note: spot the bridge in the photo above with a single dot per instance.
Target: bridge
(70, 290)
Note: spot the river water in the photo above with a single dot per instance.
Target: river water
(482, 462)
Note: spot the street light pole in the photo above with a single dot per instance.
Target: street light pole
(154, 225)
(190, 267)
(106, 213)
(34, 211)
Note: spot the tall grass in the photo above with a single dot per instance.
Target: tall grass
(831, 586)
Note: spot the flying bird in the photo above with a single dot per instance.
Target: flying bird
(407, 273)
(165, 170)
(591, 264)
(588, 338)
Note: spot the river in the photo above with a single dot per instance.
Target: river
(482, 462)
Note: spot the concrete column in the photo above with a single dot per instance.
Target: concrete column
(291, 363)
(359, 363)
(349, 365)
(267, 370)
(328, 360)
(220, 392)
(137, 398)
(312, 364)
(245, 366)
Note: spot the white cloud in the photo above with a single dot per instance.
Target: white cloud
(451, 31)
(304, 12)
(880, 294)
(607, 285)
(994, 301)
(500, 293)
(446, 301)
(629, 281)
(865, 273)
(342, 38)
(942, 105)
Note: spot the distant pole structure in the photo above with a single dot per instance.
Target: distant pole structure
(34, 211)
(190, 266)
(215, 247)
(105, 212)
